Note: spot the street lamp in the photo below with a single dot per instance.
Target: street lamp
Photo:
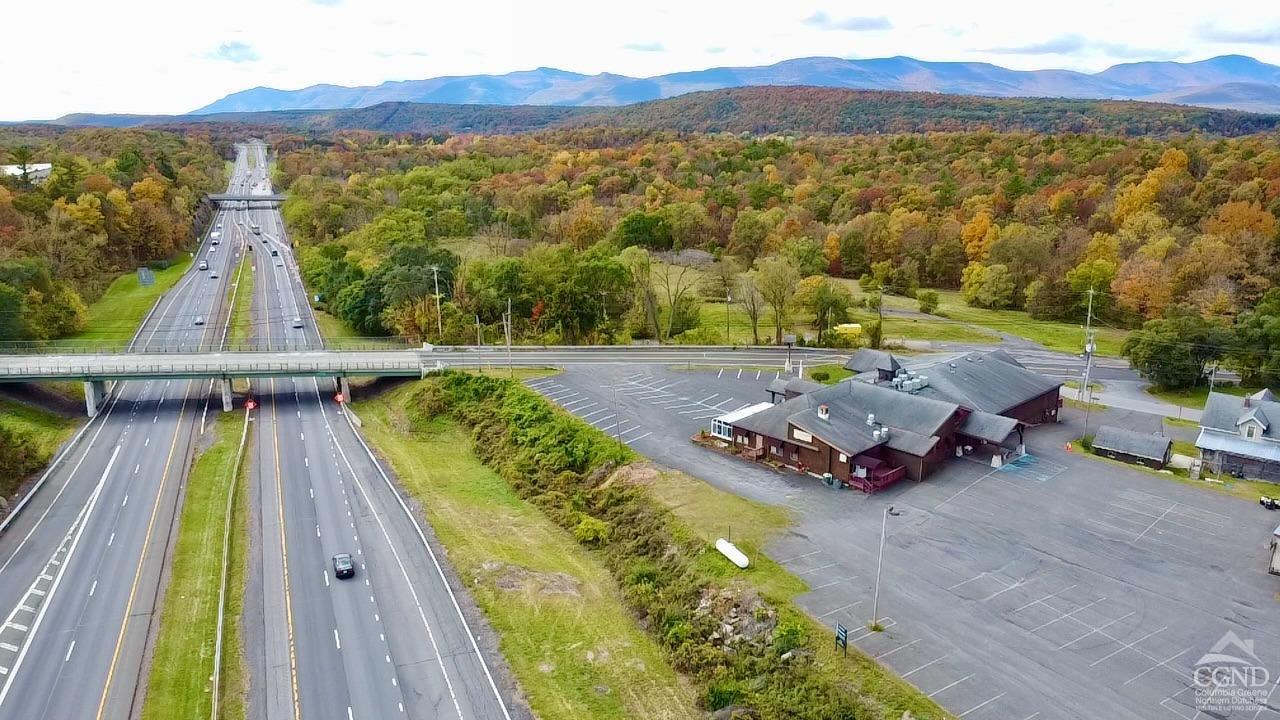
(435, 271)
(875, 601)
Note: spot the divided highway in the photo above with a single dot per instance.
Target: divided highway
(80, 566)
(389, 642)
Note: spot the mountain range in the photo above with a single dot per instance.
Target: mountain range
(1228, 81)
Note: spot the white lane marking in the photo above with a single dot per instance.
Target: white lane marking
(136, 468)
(146, 442)
(111, 539)
(640, 437)
(336, 641)
(326, 578)
(125, 501)
(981, 705)
(900, 647)
(306, 462)
(302, 437)
(8, 647)
(93, 587)
(70, 647)
(928, 664)
(948, 687)
(80, 522)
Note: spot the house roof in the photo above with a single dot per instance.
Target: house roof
(868, 359)
(913, 421)
(1143, 445)
(991, 382)
(794, 386)
(1264, 394)
(988, 426)
(1225, 412)
(742, 412)
(1231, 442)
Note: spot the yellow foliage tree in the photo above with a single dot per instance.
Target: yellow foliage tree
(978, 235)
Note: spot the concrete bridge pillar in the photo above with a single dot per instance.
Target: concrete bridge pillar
(226, 394)
(95, 393)
(345, 388)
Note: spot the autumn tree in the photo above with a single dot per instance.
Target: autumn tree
(777, 278)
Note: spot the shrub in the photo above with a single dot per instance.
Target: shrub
(591, 531)
(928, 300)
(820, 376)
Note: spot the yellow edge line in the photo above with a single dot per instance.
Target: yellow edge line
(133, 591)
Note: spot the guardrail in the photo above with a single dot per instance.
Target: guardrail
(53, 371)
(123, 346)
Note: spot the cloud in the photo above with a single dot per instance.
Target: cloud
(1251, 36)
(715, 50)
(236, 52)
(1061, 45)
(326, 3)
(856, 24)
(644, 47)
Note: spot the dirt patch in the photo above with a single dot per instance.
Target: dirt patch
(513, 578)
(640, 473)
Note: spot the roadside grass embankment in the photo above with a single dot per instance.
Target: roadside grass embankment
(737, 636)
(182, 665)
(113, 318)
(29, 437)
(564, 627)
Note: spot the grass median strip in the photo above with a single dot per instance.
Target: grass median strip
(565, 630)
(182, 666)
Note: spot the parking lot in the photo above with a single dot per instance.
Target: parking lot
(1059, 586)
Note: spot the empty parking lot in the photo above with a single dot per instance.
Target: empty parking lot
(1056, 587)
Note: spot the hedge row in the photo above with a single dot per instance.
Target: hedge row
(564, 466)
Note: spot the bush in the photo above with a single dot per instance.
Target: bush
(820, 376)
(591, 531)
(928, 300)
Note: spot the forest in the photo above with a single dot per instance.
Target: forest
(114, 201)
(615, 235)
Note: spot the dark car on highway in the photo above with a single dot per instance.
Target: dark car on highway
(343, 567)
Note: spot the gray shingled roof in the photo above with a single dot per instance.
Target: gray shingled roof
(1143, 445)
(913, 421)
(797, 386)
(868, 359)
(1224, 412)
(988, 426)
(981, 382)
(1264, 394)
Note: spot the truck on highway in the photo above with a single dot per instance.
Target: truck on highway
(1274, 568)
(256, 228)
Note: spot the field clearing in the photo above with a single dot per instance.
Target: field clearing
(115, 317)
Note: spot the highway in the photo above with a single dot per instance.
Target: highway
(80, 565)
(389, 642)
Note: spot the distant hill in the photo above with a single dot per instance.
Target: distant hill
(757, 110)
(549, 86)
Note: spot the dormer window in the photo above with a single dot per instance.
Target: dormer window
(1251, 431)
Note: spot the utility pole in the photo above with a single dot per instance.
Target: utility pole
(435, 270)
(506, 326)
(479, 333)
(1089, 345)
(875, 598)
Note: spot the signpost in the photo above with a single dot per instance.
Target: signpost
(842, 637)
(146, 277)
(250, 404)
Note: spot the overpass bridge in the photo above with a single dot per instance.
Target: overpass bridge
(96, 369)
(269, 200)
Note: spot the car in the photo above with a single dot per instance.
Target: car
(275, 253)
(297, 322)
(213, 275)
(199, 320)
(343, 566)
(279, 264)
(204, 265)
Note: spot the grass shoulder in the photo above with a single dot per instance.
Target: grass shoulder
(35, 434)
(564, 629)
(1196, 397)
(115, 317)
(181, 670)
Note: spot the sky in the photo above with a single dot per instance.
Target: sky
(156, 56)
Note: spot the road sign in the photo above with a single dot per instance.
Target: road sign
(338, 397)
(146, 277)
(250, 404)
(842, 637)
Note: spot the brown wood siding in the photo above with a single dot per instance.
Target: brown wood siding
(1037, 410)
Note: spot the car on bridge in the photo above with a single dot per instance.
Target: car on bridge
(343, 566)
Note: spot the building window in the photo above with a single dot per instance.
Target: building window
(773, 450)
(794, 457)
(1249, 431)
(844, 458)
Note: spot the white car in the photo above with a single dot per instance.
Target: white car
(199, 320)
(213, 275)
(297, 322)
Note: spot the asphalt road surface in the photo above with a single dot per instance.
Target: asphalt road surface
(80, 565)
(390, 642)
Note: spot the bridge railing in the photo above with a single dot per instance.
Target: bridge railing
(338, 366)
(120, 346)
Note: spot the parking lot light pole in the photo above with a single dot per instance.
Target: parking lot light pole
(875, 598)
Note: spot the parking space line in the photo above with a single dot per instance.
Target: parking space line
(1153, 523)
(1162, 663)
(981, 705)
(595, 423)
(842, 607)
(928, 664)
(979, 576)
(1065, 615)
(1127, 646)
(797, 557)
(1098, 629)
(951, 685)
(1046, 597)
(835, 582)
(888, 623)
(597, 412)
(709, 398)
(900, 647)
(816, 569)
(640, 438)
(624, 435)
(570, 404)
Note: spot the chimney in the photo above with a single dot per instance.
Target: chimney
(824, 413)
(1246, 401)
(871, 418)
